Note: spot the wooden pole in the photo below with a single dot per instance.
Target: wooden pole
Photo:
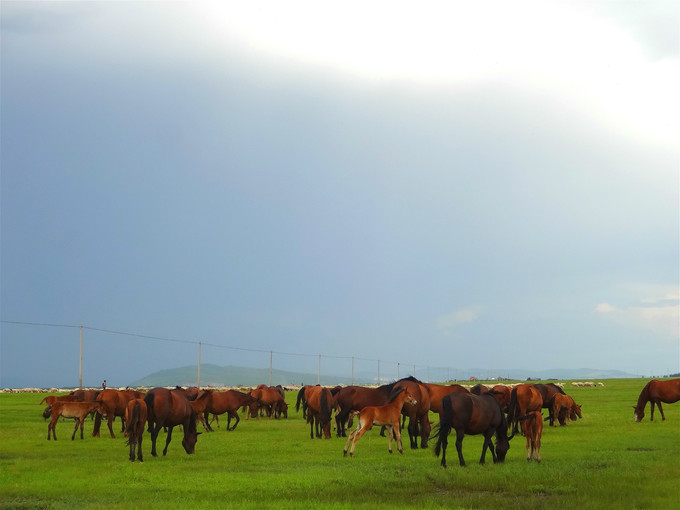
(80, 364)
(318, 377)
(198, 384)
(271, 356)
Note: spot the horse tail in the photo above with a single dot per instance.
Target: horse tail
(131, 425)
(43, 400)
(148, 400)
(445, 423)
(513, 411)
(325, 408)
(300, 399)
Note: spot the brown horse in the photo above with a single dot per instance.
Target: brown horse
(479, 389)
(269, 398)
(388, 414)
(502, 394)
(51, 399)
(200, 406)
(524, 399)
(472, 414)
(168, 408)
(656, 392)
(114, 403)
(77, 410)
(230, 402)
(418, 414)
(548, 392)
(320, 403)
(355, 398)
(564, 409)
(532, 428)
(84, 395)
(439, 391)
(135, 419)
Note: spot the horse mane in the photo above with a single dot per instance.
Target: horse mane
(395, 393)
(334, 391)
(559, 390)
(644, 397)
(410, 378)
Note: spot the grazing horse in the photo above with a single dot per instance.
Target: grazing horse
(418, 414)
(200, 406)
(77, 410)
(564, 409)
(548, 392)
(656, 392)
(229, 402)
(84, 395)
(269, 399)
(388, 414)
(524, 398)
(471, 414)
(51, 399)
(168, 408)
(114, 403)
(135, 419)
(438, 391)
(532, 428)
(355, 398)
(320, 403)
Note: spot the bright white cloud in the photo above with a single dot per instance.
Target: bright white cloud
(605, 308)
(458, 317)
(559, 50)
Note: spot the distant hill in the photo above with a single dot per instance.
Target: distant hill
(214, 375)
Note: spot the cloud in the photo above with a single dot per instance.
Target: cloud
(458, 317)
(657, 312)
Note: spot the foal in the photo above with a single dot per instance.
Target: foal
(388, 414)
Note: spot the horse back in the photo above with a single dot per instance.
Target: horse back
(666, 391)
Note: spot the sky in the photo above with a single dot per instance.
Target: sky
(421, 186)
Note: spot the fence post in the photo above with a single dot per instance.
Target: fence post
(318, 377)
(198, 384)
(270, 367)
(80, 364)
(378, 372)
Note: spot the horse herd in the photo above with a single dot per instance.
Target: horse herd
(500, 411)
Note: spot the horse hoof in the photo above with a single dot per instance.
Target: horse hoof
(344, 453)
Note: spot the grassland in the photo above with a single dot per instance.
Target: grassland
(605, 460)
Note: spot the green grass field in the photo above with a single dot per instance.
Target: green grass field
(604, 461)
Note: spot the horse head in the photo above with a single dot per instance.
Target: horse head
(639, 413)
(47, 412)
(575, 412)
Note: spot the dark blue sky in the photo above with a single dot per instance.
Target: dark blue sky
(498, 195)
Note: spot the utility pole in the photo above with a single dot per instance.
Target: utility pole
(80, 364)
(318, 377)
(198, 384)
(271, 355)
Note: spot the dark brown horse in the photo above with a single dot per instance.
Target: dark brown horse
(656, 392)
(270, 399)
(355, 398)
(524, 399)
(418, 413)
(472, 414)
(548, 391)
(135, 419)
(320, 403)
(479, 389)
(502, 394)
(169, 408)
(230, 402)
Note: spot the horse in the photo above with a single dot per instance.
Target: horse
(269, 398)
(524, 398)
(355, 398)
(51, 399)
(656, 391)
(84, 395)
(548, 391)
(229, 402)
(77, 410)
(439, 391)
(200, 406)
(564, 408)
(418, 414)
(388, 414)
(114, 403)
(532, 428)
(319, 403)
(502, 394)
(168, 408)
(479, 389)
(135, 419)
(471, 414)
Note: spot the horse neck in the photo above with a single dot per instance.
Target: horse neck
(643, 398)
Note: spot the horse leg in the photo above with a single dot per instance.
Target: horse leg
(460, 434)
(349, 440)
(75, 429)
(397, 434)
(132, 441)
(357, 436)
(487, 444)
(167, 440)
(413, 432)
(110, 419)
(390, 434)
(424, 431)
(122, 422)
(154, 436)
(140, 436)
(658, 403)
(237, 419)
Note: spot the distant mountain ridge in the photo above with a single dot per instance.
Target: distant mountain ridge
(214, 375)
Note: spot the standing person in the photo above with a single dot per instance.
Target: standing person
(104, 384)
